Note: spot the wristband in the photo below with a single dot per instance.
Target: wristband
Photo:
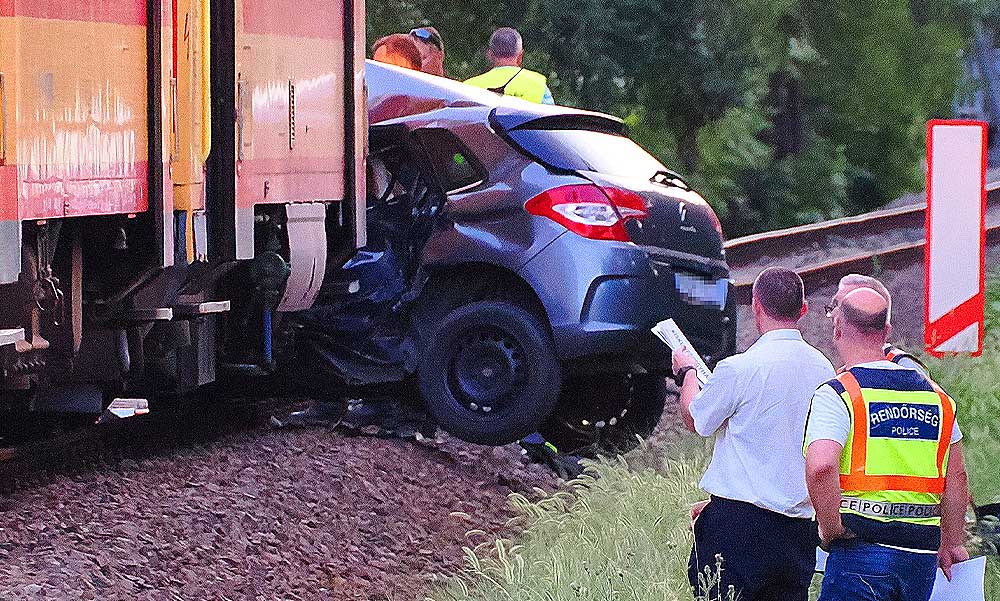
(681, 373)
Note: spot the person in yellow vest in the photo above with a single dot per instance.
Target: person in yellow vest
(508, 77)
(853, 281)
(884, 467)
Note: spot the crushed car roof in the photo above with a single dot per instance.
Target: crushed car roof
(395, 92)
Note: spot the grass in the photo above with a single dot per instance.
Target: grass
(974, 383)
(621, 532)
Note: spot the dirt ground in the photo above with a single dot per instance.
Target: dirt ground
(272, 515)
(907, 289)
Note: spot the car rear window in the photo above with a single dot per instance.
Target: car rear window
(587, 150)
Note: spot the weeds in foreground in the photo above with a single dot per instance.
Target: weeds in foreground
(619, 532)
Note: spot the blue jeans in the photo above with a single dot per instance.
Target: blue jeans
(858, 571)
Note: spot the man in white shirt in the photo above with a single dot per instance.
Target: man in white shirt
(759, 519)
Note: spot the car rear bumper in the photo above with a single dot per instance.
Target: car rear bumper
(602, 298)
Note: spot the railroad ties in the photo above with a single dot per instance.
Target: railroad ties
(824, 252)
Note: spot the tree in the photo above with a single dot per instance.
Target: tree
(781, 111)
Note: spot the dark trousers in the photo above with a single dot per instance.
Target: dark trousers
(766, 556)
(858, 571)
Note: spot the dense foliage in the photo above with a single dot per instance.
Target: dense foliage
(781, 111)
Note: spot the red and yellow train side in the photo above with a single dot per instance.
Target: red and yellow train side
(172, 174)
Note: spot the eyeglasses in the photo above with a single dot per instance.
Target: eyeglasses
(426, 35)
(829, 308)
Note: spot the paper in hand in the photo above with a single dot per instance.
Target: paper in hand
(967, 582)
(671, 335)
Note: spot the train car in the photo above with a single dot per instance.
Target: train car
(173, 173)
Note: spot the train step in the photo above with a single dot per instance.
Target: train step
(145, 315)
(206, 308)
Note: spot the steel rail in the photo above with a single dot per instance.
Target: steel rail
(749, 255)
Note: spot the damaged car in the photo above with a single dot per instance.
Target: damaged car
(517, 256)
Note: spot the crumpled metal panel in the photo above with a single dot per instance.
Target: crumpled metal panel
(76, 119)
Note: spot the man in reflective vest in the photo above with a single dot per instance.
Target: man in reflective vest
(853, 281)
(508, 77)
(884, 467)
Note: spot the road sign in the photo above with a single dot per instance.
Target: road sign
(955, 256)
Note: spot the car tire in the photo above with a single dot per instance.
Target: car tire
(605, 414)
(488, 372)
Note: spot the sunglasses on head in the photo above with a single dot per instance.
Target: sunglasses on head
(426, 35)
(829, 308)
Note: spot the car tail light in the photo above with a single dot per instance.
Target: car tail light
(590, 211)
(715, 221)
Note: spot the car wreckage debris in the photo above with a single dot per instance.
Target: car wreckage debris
(391, 418)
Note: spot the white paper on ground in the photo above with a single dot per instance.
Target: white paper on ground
(670, 333)
(967, 582)
(967, 579)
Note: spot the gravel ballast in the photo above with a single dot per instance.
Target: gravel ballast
(296, 514)
(289, 514)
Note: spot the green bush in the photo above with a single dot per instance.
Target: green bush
(719, 91)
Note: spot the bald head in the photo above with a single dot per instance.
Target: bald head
(866, 312)
(855, 281)
(506, 44)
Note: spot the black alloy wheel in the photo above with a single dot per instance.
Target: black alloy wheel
(488, 373)
(605, 413)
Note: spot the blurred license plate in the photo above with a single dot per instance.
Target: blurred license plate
(701, 290)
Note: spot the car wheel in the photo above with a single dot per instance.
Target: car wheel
(489, 373)
(605, 413)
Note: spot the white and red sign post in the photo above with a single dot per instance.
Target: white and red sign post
(955, 256)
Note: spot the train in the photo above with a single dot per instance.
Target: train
(174, 174)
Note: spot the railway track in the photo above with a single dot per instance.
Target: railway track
(183, 423)
(823, 252)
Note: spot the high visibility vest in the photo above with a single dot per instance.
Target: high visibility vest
(513, 81)
(893, 467)
(894, 354)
